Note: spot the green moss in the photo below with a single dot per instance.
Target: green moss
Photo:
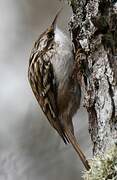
(103, 167)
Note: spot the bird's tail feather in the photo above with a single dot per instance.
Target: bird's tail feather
(71, 138)
(58, 126)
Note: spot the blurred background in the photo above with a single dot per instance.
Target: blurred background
(29, 148)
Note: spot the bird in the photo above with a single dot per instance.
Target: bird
(50, 74)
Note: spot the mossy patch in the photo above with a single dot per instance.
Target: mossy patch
(103, 167)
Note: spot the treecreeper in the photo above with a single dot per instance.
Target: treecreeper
(50, 73)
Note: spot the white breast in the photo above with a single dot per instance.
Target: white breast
(63, 59)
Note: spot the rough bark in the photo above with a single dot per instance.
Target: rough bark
(94, 32)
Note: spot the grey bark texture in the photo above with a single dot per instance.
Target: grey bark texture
(94, 32)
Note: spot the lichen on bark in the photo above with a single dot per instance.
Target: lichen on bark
(93, 27)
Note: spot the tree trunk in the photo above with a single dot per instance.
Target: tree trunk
(94, 32)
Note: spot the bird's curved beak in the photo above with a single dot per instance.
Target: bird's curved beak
(55, 19)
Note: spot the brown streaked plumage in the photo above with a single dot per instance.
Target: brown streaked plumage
(50, 76)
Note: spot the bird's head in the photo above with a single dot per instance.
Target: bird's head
(47, 36)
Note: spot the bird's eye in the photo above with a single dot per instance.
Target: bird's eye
(50, 34)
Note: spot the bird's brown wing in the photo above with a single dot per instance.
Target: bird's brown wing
(42, 80)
